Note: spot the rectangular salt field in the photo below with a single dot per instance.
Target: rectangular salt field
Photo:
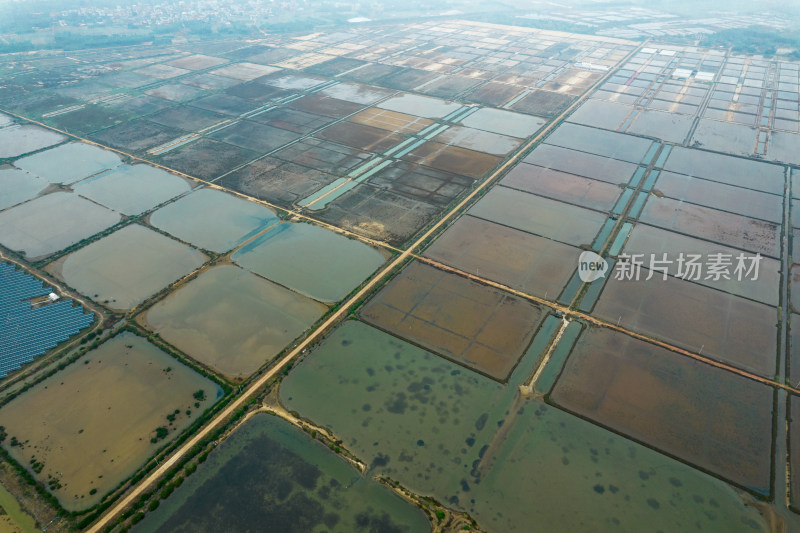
(600, 142)
(213, 220)
(132, 189)
(311, 260)
(16, 140)
(127, 267)
(541, 216)
(231, 320)
(474, 325)
(51, 223)
(69, 163)
(714, 419)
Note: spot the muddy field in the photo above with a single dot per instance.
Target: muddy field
(290, 119)
(367, 138)
(205, 158)
(136, 136)
(421, 183)
(379, 214)
(322, 155)
(276, 181)
(391, 120)
(97, 417)
(256, 137)
(231, 320)
(474, 325)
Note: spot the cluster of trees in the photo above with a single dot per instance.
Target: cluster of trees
(756, 40)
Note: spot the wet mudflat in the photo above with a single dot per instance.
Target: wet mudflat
(254, 136)
(311, 260)
(477, 326)
(714, 419)
(379, 214)
(137, 135)
(95, 419)
(725, 327)
(128, 266)
(600, 142)
(367, 138)
(504, 122)
(231, 320)
(421, 183)
(747, 202)
(479, 140)
(290, 119)
(213, 220)
(322, 155)
(293, 484)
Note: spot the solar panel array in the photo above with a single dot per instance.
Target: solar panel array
(26, 331)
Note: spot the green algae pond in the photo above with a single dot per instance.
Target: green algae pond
(270, 476)
(515, 464)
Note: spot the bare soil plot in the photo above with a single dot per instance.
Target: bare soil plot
(408, 79)
(127, 267)
(359, 136)
(391, 120)
(506, 255)
(747, 202)
(734, 230)
(421, 183)
(244, 71)
(713, 419)
(276, 181)
(727, 328)
(90, 426)
(91, 118)
(231, 320)
(562, 186)
(379, 214)
(206, 159)
(453, 159)
(474, 325)
(186, 118)
(137, 135)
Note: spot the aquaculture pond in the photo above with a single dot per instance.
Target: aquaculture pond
(271, 476)
(470, 442)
